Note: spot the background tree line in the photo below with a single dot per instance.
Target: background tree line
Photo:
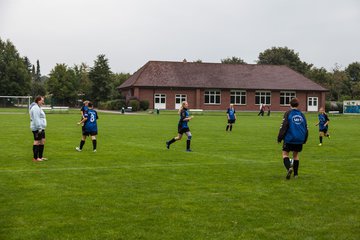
(67, 85)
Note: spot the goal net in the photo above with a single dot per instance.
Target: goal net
(15, 101)
(351, 106)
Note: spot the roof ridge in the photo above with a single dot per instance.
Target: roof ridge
(216, 63)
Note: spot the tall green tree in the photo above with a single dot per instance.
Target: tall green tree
(352, 82)
(83, 83)
(15, 78)
(62, 85)
(233, 60)
(33, 72)
(116, 80)
(38, 73)
(28, 64)
(100, 76)
(284, 56)
(37, 86)
(319, 75)
(337, 85)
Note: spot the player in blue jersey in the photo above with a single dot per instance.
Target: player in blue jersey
(183, 126)
(90, 127)
(323, 125)
(231, 117)
(294, 133)
(83, 110)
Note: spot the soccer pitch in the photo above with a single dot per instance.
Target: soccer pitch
(232, 186)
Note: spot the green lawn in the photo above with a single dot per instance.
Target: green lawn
(232, 186)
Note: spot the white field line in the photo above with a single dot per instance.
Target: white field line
(165, 165)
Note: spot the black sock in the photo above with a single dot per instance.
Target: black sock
(187, 144)
(227, 127)
(82, 142)
(172, 141)
(94, 144)
(36, 151)
(41, 151)
(286, 162)
(296, 167)
(230, 127)
(320, 139)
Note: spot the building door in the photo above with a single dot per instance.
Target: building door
(179, 98)
(313, 104)
(160, 101)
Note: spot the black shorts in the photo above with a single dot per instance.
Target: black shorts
(38, 135)
(288, 147)
(85, 133)
(231, 121)
(323, 130)
(183, 130)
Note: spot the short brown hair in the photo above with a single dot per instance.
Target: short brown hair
(38, 98)
(294, 102)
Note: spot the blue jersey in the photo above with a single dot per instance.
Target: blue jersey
(323, 118)
(294, 128)
(90, 124)
(84, 109)
(183, 114)
(231, 113)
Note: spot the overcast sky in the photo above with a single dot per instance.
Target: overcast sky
(132, 32)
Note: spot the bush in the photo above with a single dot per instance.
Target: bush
(116, 104)
(144, 105)
(134, 104)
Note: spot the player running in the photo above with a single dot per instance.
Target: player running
(323, 125)
(294, 133)
(90, 127)
(183, 126)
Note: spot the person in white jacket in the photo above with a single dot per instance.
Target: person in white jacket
(38, 125)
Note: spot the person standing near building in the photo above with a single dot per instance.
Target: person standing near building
(38, 124)
(323, 125)
(294, 133)
(90, 127)
(183, 127)
(262, 110)
(231, 117)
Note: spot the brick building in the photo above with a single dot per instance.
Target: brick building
(213, 86)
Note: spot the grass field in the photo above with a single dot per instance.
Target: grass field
(232, 186)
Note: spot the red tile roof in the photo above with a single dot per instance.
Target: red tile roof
(220, 76)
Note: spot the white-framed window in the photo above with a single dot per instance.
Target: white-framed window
(285, 97)
(160, 98)
(238, 97)
(159, 101)
(179, 98)
(212, 97)
(263, 97)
